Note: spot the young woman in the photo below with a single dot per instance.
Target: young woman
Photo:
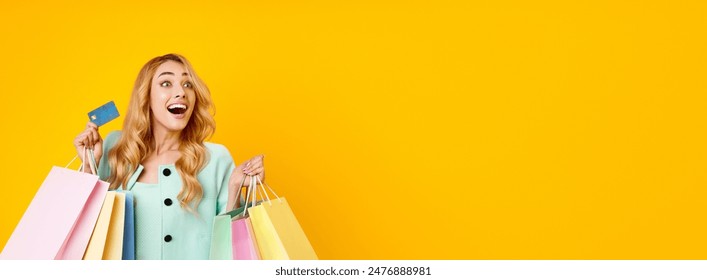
(179, 181)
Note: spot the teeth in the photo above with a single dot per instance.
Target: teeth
(174, 106)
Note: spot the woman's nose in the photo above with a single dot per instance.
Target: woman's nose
(180, 93)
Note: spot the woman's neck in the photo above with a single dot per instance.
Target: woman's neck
(165, 140)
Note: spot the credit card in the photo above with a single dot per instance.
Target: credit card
(103, 114)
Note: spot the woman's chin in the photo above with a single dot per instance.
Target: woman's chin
(177, 125)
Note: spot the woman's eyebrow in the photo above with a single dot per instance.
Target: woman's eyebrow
(170, 73)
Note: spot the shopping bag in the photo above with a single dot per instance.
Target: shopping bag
(245, 246)
(114, 240)
(278, 233)
(221, 233)
(107, 240)
(225, 240)
(221, 238)
(75, 246)
(129, 231)
(62, 207)
(97, 243)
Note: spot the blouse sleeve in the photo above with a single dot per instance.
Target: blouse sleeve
(225, 167)
(108, 143)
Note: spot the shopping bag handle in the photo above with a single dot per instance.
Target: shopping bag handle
(238, 194)
(252, 193)
(247, 196)
(255, 180)
(92, 163)
(249, 191)
(262, 185)
(253, 189)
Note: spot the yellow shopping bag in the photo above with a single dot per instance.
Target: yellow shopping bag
(107, 239)
(114, 240)
(279, 234)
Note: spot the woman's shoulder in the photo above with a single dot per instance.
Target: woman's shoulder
(218, 152)
(111, 139)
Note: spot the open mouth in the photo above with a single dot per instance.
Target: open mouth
(177, 109)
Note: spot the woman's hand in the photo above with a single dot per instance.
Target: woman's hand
(254, 167)
(89, 139)
(251, 167)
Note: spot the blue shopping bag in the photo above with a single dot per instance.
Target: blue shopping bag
(129, 229)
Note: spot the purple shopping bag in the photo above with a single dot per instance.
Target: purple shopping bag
(45, 229)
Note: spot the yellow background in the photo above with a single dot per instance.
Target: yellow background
(403, 129)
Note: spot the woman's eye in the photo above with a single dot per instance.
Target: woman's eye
(188, 85)
(166, 84)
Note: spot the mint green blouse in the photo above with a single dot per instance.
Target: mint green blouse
(163, 229)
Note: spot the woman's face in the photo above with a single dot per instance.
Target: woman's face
(172, 97)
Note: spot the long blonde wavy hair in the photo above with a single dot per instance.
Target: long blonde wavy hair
(136, 141)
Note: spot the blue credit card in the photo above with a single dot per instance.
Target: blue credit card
(103, 114)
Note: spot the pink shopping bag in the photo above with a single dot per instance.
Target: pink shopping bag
(54, 212)
(244, 243)
(76, 244)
